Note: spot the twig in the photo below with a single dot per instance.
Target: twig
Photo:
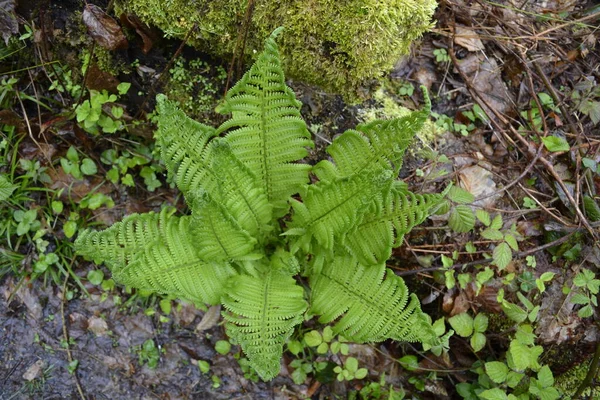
(66, 336)
(489, 260)
(529, 147)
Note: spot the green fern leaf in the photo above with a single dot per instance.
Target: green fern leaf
(156, 252)
(240, 192)
(368, 304)
(217, 235)
(376, 145)
(384, 226)
(262, 314)
(183, 145)
(332, 208)
(266, 131)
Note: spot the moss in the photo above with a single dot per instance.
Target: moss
(568, 382)
(196, 86)
(340, 46)
(388, 108)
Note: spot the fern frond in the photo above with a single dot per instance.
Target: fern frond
(262, 314)
(240, 192)
(369, 304)
(332, 208)
(155, 252)
(183, 145)
(218, 237)
(266, 131)
(386, 223)
(375, 145)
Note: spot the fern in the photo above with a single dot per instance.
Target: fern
(266, 131)
(262, 314)
(247, 237)
(155, 252)
(370, 308)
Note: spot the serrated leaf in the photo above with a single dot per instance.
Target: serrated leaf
(496, 222)
(521, 355)
(497, 371)
(478, 341)
(514, 378)
(493, 394)
(547, 276)
(580, 298)
(461, 219)
(502, 255)
(460, 196)
(555, 144)
(492, 234)
(511, 241)
(6, 188)
(514, 312)
(462, 324)
(586, 312)
(545, 377)
(484, 217)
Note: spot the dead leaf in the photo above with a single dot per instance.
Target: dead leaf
(104, 29)
(478, 181)
(8, 20)
(101, 80)
(31, 301)
(34, 371)
(143, 30)
(467, 38)
(97, 325)
(209, 319)
(485, 76)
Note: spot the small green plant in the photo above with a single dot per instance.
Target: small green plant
(468, 327)
(586, 95)
(441, 55)
(76, 168)
(92, 115)
(148, 354)
(586, 294)
(247, 237)
(350, 370)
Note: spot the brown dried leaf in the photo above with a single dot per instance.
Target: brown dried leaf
(209, 319)
(148, 37)
(486, 78)
(97, 325)
(104, 29)
(467, 38)
(34, 371)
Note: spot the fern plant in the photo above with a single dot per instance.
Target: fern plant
(264, 241)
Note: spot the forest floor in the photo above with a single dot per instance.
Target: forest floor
(516, 108)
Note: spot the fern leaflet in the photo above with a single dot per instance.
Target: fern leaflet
(155, 252)
(183, 145)
(217, 235)
(265, 131)
(376, 145)
(368, 304)
(331, 209)
(388, 220)
(262, 313)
